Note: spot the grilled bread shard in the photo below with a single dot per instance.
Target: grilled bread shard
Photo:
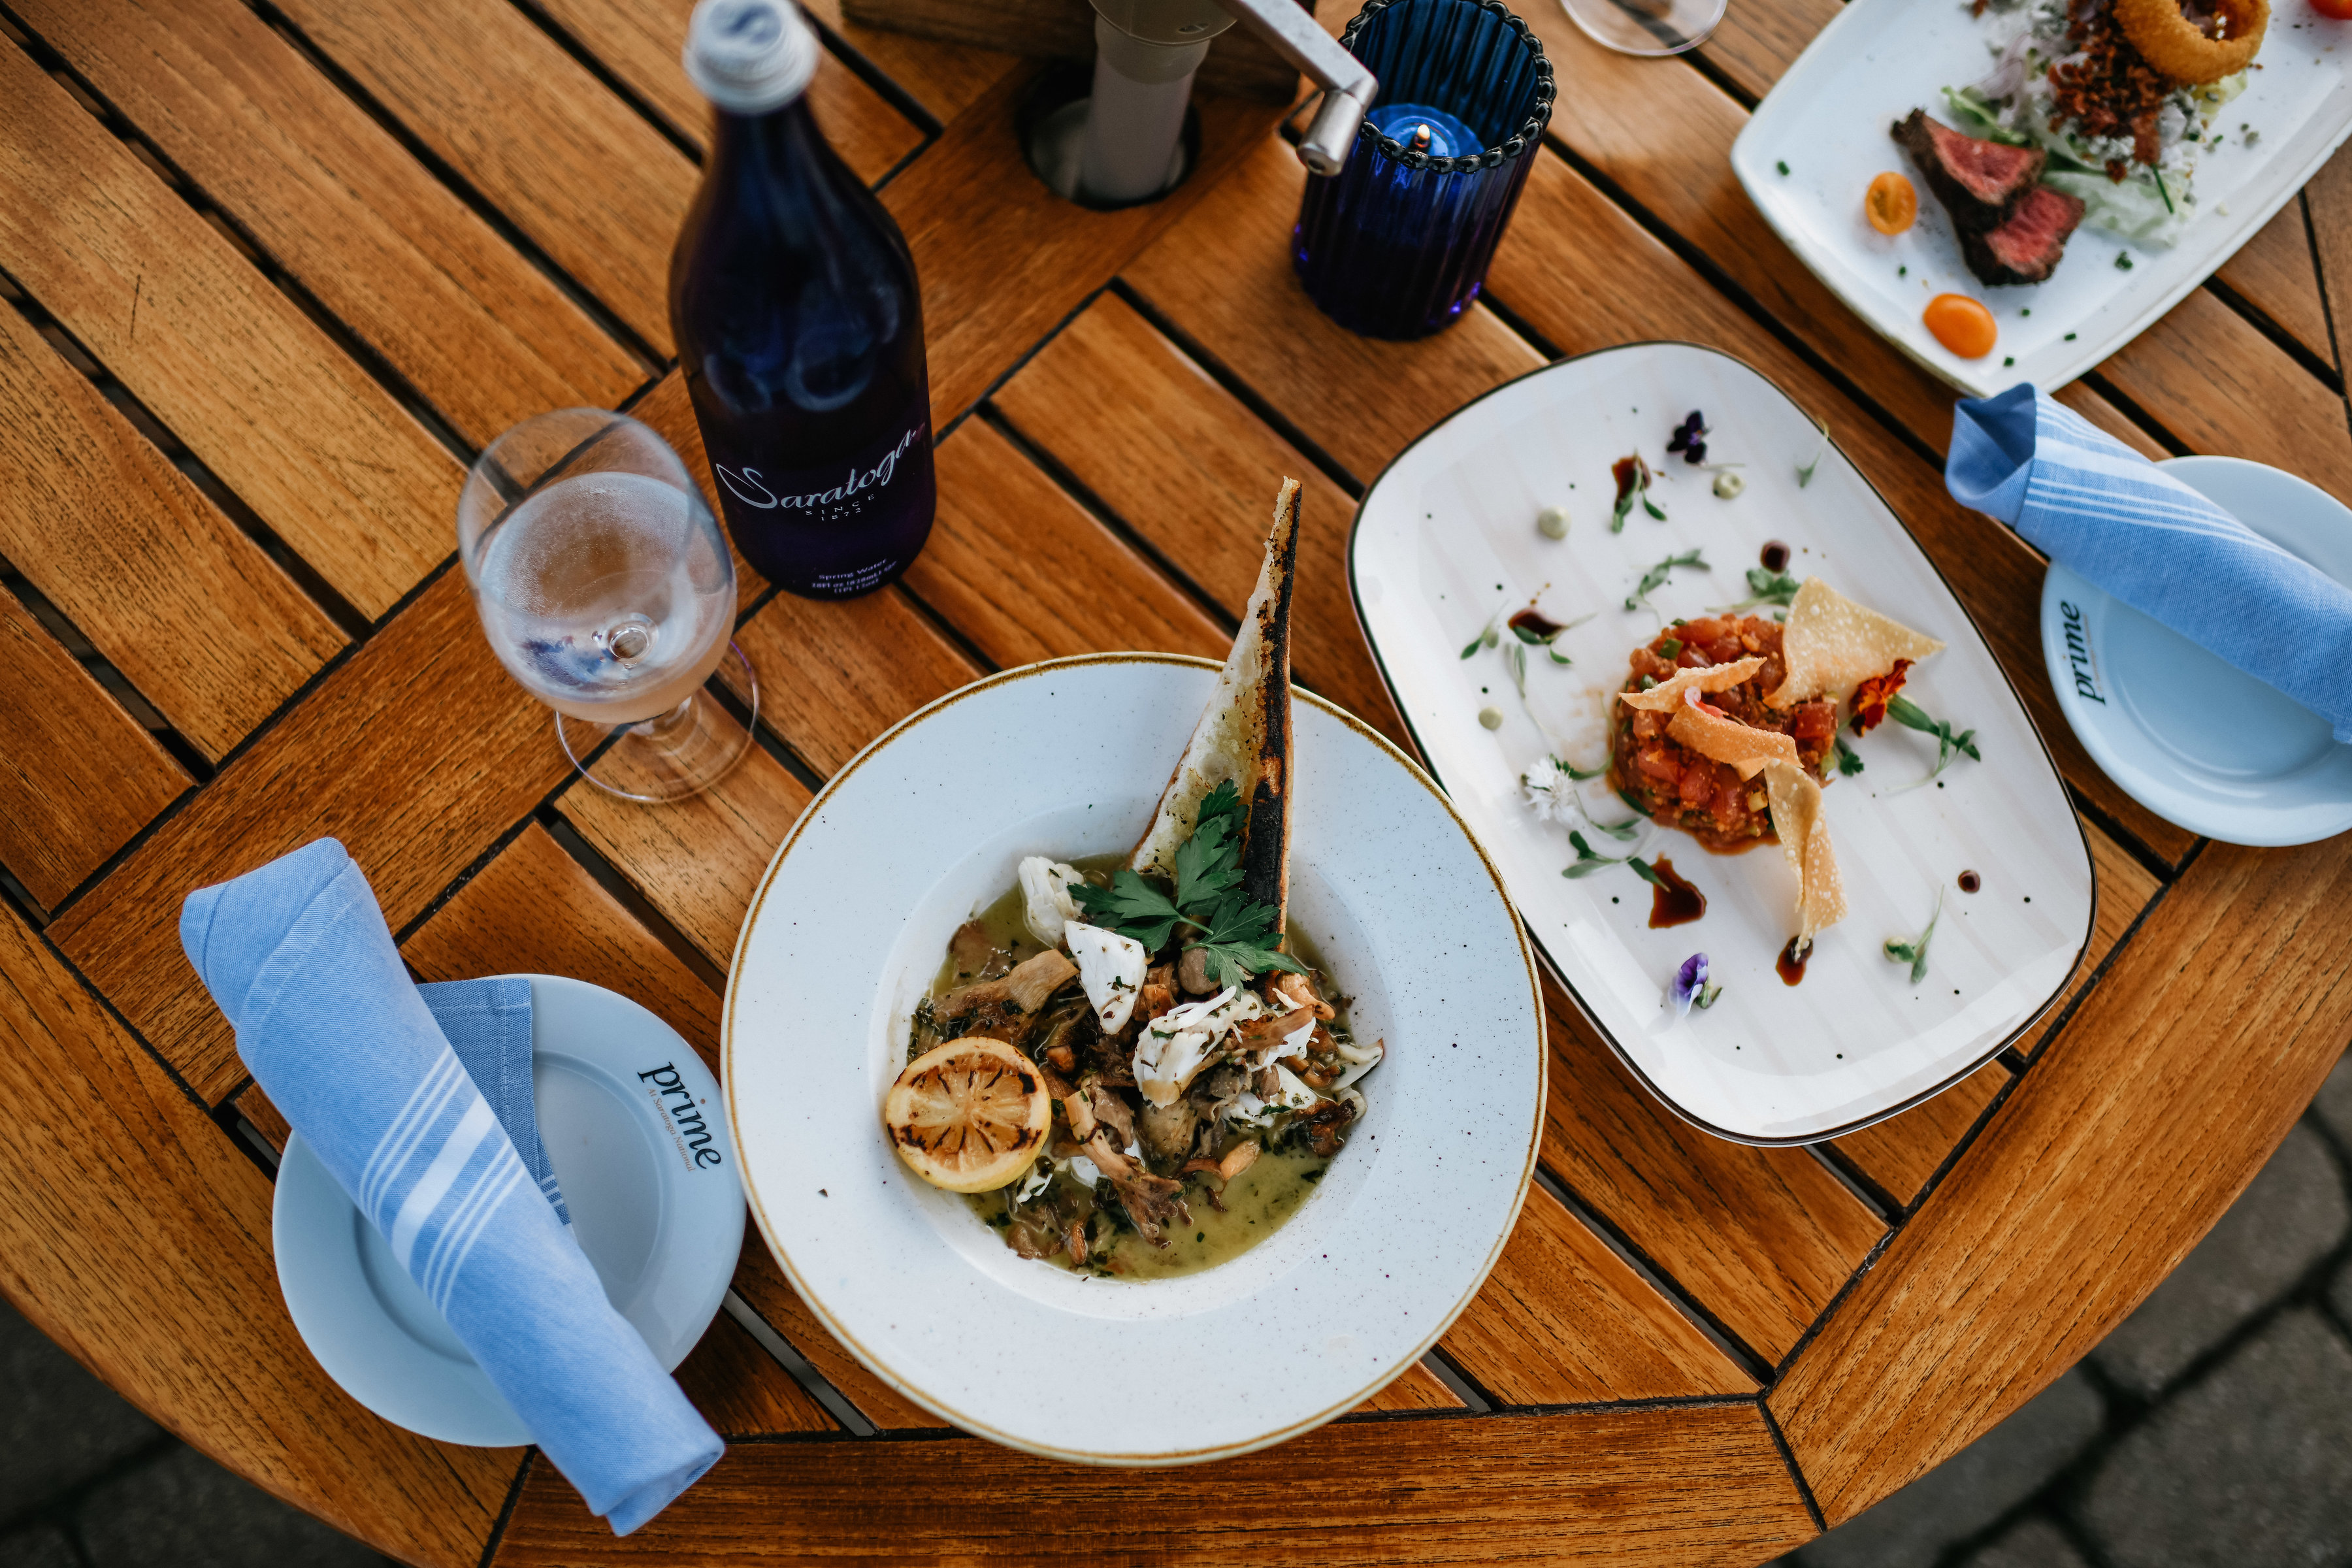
(1244, 734)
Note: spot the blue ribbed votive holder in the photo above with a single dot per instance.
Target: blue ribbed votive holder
(1397, 243)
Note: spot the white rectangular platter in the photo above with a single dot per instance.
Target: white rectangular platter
(1448, 533)
(1828, 119)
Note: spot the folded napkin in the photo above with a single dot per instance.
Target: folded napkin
(488, 1024)
(2092, 504)
(297, 956)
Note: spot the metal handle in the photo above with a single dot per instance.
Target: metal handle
(1348, 87)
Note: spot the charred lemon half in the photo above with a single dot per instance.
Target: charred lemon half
(970, 1116)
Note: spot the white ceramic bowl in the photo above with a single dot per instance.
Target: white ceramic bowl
(923, 828)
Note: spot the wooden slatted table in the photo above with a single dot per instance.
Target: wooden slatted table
(274, 271)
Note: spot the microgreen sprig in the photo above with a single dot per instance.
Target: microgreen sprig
(1657, 576)
(1909, 714)
(1805, 469)
(1849, 760)
(1914, 953)
(1765, 587)
(1630, 491)
(1589, 859)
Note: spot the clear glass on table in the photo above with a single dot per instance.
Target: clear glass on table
(607, 591)
(1646, 27)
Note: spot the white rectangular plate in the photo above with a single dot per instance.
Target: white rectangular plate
(1448, 532)
(1829, 120)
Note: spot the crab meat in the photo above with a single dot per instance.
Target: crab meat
(1045, 901)
(1177, 1044)
(1111, 969)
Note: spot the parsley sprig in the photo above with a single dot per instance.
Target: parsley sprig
(1909, 714)
(1657, 575)
(1849, 761)
(1240, 935)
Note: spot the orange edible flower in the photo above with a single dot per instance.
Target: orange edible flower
(1870, 697)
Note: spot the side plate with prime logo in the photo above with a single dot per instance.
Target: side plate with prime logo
(2192, 738)
(636, 1129)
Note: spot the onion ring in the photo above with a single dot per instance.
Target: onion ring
(2180, 49)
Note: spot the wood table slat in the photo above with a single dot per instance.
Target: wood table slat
(642, 45)
(1416, 1388)
(741, 1390)
(478, 331)
(2127, 1138)
(254, 390)
(593, 184)
(77, 775)
(1754, 45)
(1564, 1321)
(764, 1286)
(417, 752)
(1692, 1487)
(1182, 462)
(1761, 1238)
(1224, 278)
(534, 909)
(196, 617)
(696, 860)
(945, 78)
(2277, 273)
(1000, 273)
(1026, 574)
(2328, 200)
(138, 1238)
(2220, 385)
(833, 676)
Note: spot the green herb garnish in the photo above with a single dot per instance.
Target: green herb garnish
(1657, 577)
(1642, 867)
(1670, 648)
(1768, 588)
(1849, 760)
(1589, 859)
(1914, 953)
(1908, 714)
(1240, 935)
(1805, 469)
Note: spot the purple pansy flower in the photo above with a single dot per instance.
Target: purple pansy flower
(1690, 986)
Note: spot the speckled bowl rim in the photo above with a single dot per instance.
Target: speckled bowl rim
(1143, 1457)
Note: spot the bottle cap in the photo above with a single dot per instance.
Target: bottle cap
(749, 57)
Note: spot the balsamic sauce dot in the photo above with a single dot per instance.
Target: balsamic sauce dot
(1775, 557)
(1970, 881)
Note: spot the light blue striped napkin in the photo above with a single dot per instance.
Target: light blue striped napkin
(2089, 501)
(488, 1024)
(297, 956)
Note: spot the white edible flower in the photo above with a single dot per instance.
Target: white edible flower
(1110, 968)
(1290, 1045)
(1176, 1046)
(1248, 1111)
(1046, 899)
(1552, 793)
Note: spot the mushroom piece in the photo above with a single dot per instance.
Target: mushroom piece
(1024, 990)
(1176, 1046)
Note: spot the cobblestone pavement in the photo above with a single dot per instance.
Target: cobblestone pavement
(2213, 1429)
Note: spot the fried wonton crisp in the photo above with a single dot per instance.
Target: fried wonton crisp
(1720, 738)
(1804, 834)
(1831, 645)
(1668, 693)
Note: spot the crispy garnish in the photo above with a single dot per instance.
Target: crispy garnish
(1805, 839)
(1716, 736)
(1668, 693)
(1831, 644)
(2188, 52)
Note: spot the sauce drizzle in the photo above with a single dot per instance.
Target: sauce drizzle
(1674, 901)
(1791, 966)
(1536, 622)
(1775, 557)
(1970, 881)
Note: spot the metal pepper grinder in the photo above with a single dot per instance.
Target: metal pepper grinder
(1123, 144)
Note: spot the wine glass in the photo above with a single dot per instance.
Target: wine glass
(607, 590)
(1646, 27)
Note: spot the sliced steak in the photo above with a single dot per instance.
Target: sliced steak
(2026, 248)
(1980, 183)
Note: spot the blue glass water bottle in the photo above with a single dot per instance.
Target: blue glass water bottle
(799, 325)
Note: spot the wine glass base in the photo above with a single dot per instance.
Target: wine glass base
(672, 756)
(1653, 28)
